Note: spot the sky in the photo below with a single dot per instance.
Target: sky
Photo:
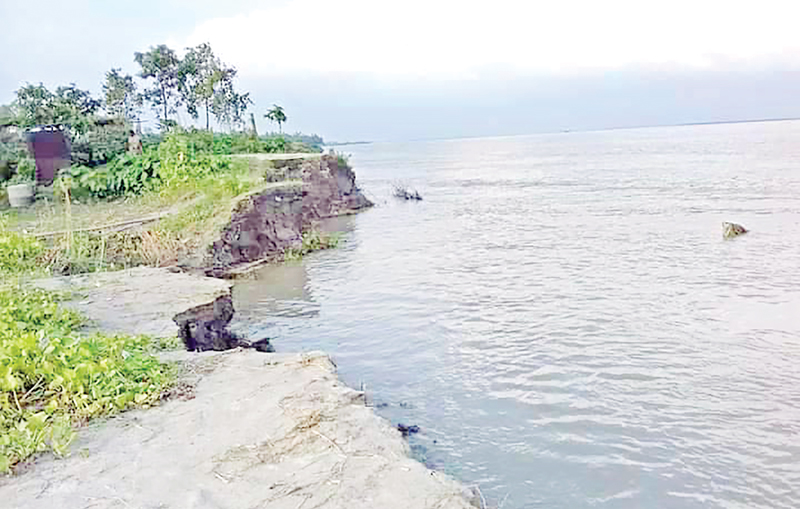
(420, 69)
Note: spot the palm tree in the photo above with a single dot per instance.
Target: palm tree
(277, 115)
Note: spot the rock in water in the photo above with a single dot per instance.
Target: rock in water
(731, 230)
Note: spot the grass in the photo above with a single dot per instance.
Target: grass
(182, 214)
(191, 211)
(53, 379)
(313, 240)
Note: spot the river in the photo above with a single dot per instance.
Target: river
(562, 318)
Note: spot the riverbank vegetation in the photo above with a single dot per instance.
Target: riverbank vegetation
(116, 208)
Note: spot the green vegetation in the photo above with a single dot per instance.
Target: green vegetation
(121, 99)
(19, 254)
(53, 379)
(162, 65)
(313, 240)
(199, 82)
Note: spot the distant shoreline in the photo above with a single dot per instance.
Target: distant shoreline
(566, 131)
(343, 143)
(715, 122)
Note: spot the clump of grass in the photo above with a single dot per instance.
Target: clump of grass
(53, 379)
(313, 240)
(19, 253)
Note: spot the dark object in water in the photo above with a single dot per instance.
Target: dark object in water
(406, 193)
(407, 430)
(731, 230)
(206, 327)
(262, 345)
(381, 405)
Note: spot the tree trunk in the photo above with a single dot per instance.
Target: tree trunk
(164, 100)
(207, 115)
(253, 125)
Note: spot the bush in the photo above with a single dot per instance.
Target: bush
(182, 159)
(200, 142)
(52, 379)
(100, 144)
(133, 174)
(126, 175)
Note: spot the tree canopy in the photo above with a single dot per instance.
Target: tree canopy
(207, 82)
(121, 98)
(197, 83)
(36, 105)
(162, 65)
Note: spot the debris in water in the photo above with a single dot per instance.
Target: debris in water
(407, 430)
(406, 193)
(731, 230)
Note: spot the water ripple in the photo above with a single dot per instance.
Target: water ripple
(562, 318)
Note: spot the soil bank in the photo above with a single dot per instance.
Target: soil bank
(242, 429)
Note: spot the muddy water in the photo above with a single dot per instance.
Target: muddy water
(562, 318)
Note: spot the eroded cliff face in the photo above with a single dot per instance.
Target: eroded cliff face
(264, 224)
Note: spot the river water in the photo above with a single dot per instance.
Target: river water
(562, 318)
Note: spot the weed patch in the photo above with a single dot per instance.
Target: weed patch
(53, 379)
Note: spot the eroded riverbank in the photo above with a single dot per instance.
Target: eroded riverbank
(255, 430)
(241, 428)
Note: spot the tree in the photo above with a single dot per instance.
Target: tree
(200, 73)
(230, 106)
(209, 83)
(75, 107)
(277, 115)
(33, 106)
(120, 94)
(163, 65)
(36, 105)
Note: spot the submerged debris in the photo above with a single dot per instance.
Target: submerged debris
(262, 345)
(731, 230)
(407, 430)
(406, 193)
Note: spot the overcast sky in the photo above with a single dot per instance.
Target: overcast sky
(416, 69)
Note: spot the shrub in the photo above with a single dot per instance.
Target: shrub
(133, 174)
(99, 144)
(18, 252)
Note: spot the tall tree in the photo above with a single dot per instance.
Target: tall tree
(277, 115)
(120, 94)
(201, 72)
(75, 107)
(162, 65)
(230, 106)
(208, 83)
